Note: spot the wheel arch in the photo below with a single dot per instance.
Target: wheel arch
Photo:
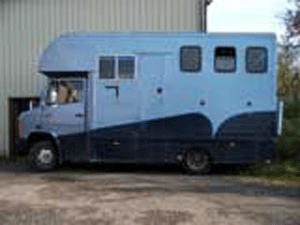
(206, 147)
(35, 137)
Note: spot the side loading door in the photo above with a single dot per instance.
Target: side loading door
(117, 92)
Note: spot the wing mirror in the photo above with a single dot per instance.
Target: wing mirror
(43, 96)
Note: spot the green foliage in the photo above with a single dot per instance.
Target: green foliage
(292, 110)
(284, 79)
(289, 147)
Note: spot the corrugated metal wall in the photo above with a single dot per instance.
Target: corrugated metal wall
(27, 26)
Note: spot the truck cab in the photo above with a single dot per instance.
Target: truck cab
(62, 112)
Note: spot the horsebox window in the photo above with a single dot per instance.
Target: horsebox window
(190, 58)
(107, 68)
(256, 60)
(126, 67)
(122, 67)
(225, 59)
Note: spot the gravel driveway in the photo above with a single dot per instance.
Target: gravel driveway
(141, 197)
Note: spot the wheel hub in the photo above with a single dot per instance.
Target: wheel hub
(197, 160)
(45, 156)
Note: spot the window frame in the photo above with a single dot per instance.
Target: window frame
(116, 67)
(199, 68)
(266, 59)
(235, 59)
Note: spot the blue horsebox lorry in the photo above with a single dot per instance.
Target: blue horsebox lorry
(190, 98)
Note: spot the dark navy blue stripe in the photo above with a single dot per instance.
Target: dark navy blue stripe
(162, 140)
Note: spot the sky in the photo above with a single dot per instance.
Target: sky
(247, 16)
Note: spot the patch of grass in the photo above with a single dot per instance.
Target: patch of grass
(291, 178)
(4, 159)
(286, 171)
(14, 159)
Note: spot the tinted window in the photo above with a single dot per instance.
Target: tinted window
(107, 68)
(126, 67)
(190, 58)
(256, 60)
(225, 59)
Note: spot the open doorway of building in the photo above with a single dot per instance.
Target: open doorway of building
(16, 106)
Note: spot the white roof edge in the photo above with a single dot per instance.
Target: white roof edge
(141, 33)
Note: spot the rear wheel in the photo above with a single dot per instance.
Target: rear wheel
(196, 162)
(42, 156)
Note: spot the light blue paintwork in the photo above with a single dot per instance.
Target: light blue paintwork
(158, 65)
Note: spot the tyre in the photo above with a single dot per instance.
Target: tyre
(196, 162)
(43, 156)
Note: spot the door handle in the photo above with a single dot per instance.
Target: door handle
(79, 115)
(114, 87)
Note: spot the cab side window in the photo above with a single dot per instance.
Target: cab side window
(64, 92)
(225, 59)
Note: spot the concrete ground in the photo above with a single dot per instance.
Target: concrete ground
(140, 195)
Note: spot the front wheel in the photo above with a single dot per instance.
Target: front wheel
(42, 156)
(196, 162)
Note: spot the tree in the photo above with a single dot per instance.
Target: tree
(292, 20)
(288, 81)
(284, 77)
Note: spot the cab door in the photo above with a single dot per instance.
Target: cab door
(68, 117)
